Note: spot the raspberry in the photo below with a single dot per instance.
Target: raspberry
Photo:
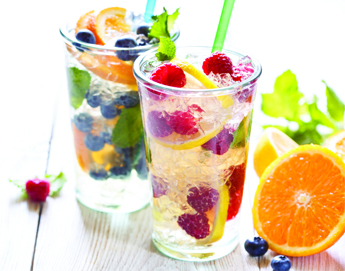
(194, 225)
(235, 182)
(159, 187)
(158, 125)
(220, 143)
(217, 63)
(170, 75)
(38, 190)
(243, 70)
(202, 199)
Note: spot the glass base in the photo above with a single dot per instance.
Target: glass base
(193, 255)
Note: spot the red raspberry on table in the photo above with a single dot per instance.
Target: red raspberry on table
(158, 125)
(236, 176)
(202, 199)
(170, 75)
(220, 143)
(37, 190)
(217, 63)
(159, 187)
(194, 225)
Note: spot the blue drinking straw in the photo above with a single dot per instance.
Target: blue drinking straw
(150, 8)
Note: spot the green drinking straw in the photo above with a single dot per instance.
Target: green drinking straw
(150, 7)
(223, 25)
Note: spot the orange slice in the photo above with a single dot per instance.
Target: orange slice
(273, 143)
(82, 153)
(111, 20)
(299, 206)
(336, 143)
(88, 21)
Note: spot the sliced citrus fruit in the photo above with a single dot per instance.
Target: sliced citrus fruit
(107, 67)
(299, 206)
(111, 19)
(272, 144)
(226, 100)
(106, 156)
(336, 143)
(88, 21)
(82, 153)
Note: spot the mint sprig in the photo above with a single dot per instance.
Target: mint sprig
(78, 83)
(128, 129)
(166, 49)
(163, 24)
(287, 102)
(56, 183)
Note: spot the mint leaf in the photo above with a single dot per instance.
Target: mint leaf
(56, 183)
(283, 102)
(166, 49)
(319, 117)
(239, 136)
(335, 107)
(78, 83)
(163, 24)
(249, 125)
(21, 185)
(129, 128)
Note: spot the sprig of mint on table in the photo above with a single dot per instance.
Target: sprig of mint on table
(56, 183)
(287, 102)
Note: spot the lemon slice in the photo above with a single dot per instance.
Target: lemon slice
(218, 215)
(225, 100)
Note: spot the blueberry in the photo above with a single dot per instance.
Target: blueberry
(128, 99)
(86, 36)
(257, 247)
(106, 137)
(109, 111)
(100, 175)
(141, 167)
(83, 122)
(143, 29)
(120, 172)
(124, 151)
(93, 142)
(93, 99)
(126, 42)
(281, 263)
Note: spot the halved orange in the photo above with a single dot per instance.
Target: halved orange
(336, 143)
(299, 206)
(111, 19)
(88, 21)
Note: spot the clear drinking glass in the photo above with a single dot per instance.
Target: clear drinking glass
(197, 175)
(106, 123)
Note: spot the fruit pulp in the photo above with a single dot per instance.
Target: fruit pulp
(196, 153)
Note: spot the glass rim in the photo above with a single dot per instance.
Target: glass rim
(65, 33)
(233, 88)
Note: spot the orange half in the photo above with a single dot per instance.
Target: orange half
(336, 143)
(299, 206)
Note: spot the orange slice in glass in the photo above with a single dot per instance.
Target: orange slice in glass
(299, 206)
(88, 21)
(111, 20)
(82, 153)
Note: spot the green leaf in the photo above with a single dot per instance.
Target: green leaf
(335, 106)
(250, 117)
(166, 49)
(163, 24)
(78, 83)
(19, 184)
(284, 101)
(239, 136)
(129, 128)
(319, 117)
(56, 183)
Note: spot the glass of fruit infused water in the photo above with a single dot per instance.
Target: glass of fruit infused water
(196, 147)
(105, 111)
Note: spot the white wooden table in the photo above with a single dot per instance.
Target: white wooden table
(35, 135)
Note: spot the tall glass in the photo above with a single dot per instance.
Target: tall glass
(197, 174)
(106, 123)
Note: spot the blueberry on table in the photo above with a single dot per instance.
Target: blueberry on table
(93, 142)
(109, 111)
(256, 247)
(86, 36)
(281, 263)
(100, 175)
(143, 29)
(83, 122)
(120, 172)
(93, 99)
(126, 42)
(128, 99)
(106, 137)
